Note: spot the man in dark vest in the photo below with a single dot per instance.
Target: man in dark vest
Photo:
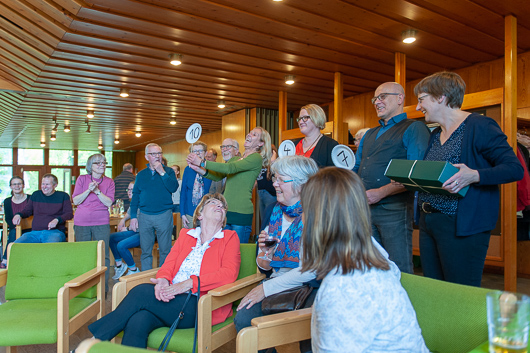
(390, 204)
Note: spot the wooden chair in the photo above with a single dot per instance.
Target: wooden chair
(93, 345)
(52, 290)
(25, 223)
(209, 337)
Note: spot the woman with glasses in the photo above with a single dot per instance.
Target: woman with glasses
(315, 145)
(284, 223)
(13, 205)
(241, 173)
(93, 195)
(207, 252)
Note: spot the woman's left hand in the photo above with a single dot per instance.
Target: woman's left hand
(255, 296)
(175, 289)
(460, 180)
(193, 159)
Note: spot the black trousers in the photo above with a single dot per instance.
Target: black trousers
(140, 313)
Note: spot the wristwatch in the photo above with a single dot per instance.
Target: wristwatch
(203, 164)
(98, 193)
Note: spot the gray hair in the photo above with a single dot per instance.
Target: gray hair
(298, 168)
(94, 158)
(151, 145)
(127, 167)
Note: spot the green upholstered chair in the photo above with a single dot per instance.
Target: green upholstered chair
(51, 290)
(452, 318)
(92, 345)
(208, 337)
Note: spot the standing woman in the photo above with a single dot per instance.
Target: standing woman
(93, 195)
(361, 305)
(315, 145)
(241, 173)
(455, 231)
(13, 205)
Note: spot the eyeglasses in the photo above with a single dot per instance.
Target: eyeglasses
(225, 147)
(129, 189)
(198, 151)
(155, 154)
(17, 184)
(215, 203)
(100, 163)
(303, 118)
(280, 181)
(420, 99)
(383, 96)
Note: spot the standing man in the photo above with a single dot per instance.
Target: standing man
(390, 204)
(151, 206)
(121, 183)
(229, 149)
(50, 209)
(217, 186)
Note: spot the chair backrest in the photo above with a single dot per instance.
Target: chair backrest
(452, 317)
(26, 223)
(248, 260)
(39, 270)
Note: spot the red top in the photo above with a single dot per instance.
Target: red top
(220, 265)
(300, 149)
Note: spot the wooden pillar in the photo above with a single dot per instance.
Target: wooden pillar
(400, 69)
(338, 127)
(509, 191)
(282, 114)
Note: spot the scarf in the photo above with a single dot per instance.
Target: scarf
(287, 253)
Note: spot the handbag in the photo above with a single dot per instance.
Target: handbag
(169, 334)
(288, 300)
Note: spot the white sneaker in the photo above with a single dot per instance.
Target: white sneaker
(131, 272)
(119, 271)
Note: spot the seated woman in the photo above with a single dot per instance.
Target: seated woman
(123, 240)
(361, 305)
(206, 252)
(290, 173)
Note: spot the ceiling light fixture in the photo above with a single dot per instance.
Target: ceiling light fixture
(66, 128)
(100, 146)
(53, 136)
(138, 134)
(90, 114)
(56, 124)
(175, 59)
(289, 79)
(124, 92)
(88, 129)
(42, 143)
(116, 141)
(221, 104)
(173, 121)
(409, 36)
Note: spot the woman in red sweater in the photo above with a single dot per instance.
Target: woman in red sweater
(205, 251)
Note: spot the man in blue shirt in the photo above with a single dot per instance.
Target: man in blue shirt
(152, 206)
(390, 204)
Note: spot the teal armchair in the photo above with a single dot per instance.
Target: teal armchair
(209, 337)
(52, 290)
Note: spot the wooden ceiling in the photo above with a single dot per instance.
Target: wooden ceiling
(59, 58)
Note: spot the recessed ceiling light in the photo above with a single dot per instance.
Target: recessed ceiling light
(116, 141)
(53, 137)
(175, 59)
(221, 104)
(173, 121)
(138, 134)
(409, 36)
(66, 128)
(289, 79)
(124, 92)
(42, 143)
(90, 114)
(100, 146)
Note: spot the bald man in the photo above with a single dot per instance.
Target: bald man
(396, 137)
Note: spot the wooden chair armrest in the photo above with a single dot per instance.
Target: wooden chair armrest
(237, 285)
(85, 277)
(140, 276)
(85, 346)
(289, 317)
(3, 277)
(120, 290)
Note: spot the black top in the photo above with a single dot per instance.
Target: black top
(322, 152)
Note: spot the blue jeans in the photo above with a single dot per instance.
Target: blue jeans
(392, 228)
(42, 236)
(121, 242)
(243, 232)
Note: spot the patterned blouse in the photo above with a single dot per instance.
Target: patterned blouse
(450, 151)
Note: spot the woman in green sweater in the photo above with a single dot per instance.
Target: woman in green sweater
(241, 173)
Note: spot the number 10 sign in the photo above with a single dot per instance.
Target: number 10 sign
(194, 133)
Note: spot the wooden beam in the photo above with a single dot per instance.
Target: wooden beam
(282, 114)
(337, 108)
(509, 122)
(400, 69)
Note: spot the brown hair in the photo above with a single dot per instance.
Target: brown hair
(337, 226)
(201, 204)
(444, 83)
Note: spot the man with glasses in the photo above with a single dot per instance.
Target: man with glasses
(390, 204)
(152, 206)
(193, 187)
(229, 149)
(120, 185)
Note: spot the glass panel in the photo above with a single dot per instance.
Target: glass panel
(108, 156)
(108, 172)
(5, 174)
(61, 157)
(29, 156)
(64, 175)
(82, 157)
(6, 156)
(31, 181)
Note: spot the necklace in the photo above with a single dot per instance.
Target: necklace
(96, 180)
(307, 149)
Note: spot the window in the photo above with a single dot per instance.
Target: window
(108, 171)
(82, 157)
(61, 157)
(64, 175)
(6, 156)
(29, 156)
(5, 174)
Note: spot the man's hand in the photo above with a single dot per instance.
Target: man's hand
(121, 225)
(16, 220)
(134, 224)
(185, 222)
(374, 196)
(193, 159)
(53, 223)
(158, 167)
